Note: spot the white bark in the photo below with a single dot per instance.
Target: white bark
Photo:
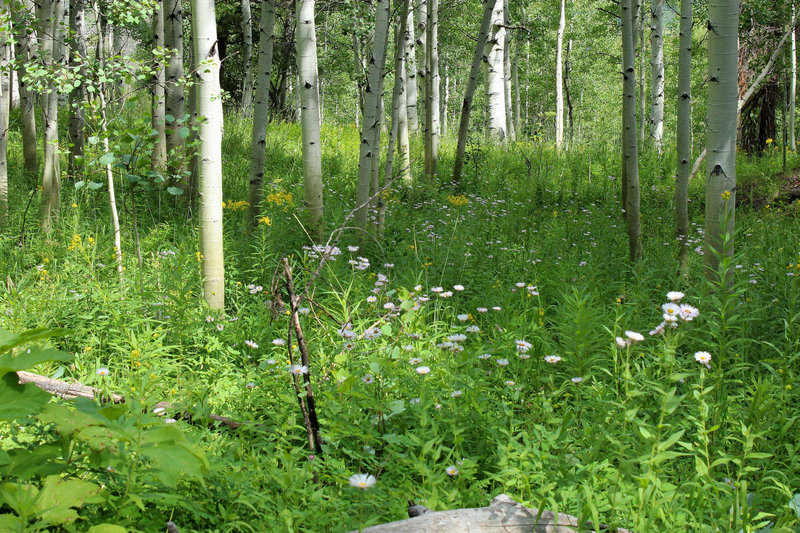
(51, 16)
(5, 100)
(306, 38)
(657, 73)
(630, 141)
(258, 148)
(723, 98)
(27, 51)
(210, 124)
(173, 40)
(77, 58)
(247, 58)
(369, 151)
(560, 78)
(421, 10)
(411, 73)
(684, 135)
(793, 88)
(512, 135)
(159, 158)
(469, 93)
(432, 80)
(495, 85)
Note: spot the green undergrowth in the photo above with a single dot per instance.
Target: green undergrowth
(634, 434)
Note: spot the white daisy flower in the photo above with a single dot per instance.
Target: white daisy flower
(362, 481)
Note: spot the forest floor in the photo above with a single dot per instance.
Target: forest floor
(496, 340)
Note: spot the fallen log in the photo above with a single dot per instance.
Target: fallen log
(504, 514)
(70, 391)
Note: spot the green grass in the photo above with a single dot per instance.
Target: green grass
(647, 439)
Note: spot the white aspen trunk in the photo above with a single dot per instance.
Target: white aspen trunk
(399, 116)
(432, 80)
(159, 158)
(512, 135)
(723, 97)
(247, 58)
(51, 15)
(77, 59)
(630, 146)
(684, 135)
(258, 147)
(793, 87)
(638, 36)
(173, 40)
(657, 73)
(370, 132)
(515, 77)
(5, 101)
(422, 66)
(112, 196)
(209, 108)
(306, 38)
(27, 51)
(469, 93)
(374, 178)
(560, 78)
(403, 144)
(495, 85)
(411, 73)
(445, 102)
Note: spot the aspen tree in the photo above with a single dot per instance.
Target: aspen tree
(77, 60)
(173, 40)
(403, 144)
(247, 56)
(723, 97)
(560, 78)
(371, 124)
(5, 100)
(684, 135)
(469, 93)
(411, 73)
(432, 91)
(657, 73)
(159, 157)
(27, 51)
(309, 100)
(209, 167)
(507, 77)
(793, 86)
(495, 85)
(258, 147)
(630, 141)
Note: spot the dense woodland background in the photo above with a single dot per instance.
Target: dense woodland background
(287, 265)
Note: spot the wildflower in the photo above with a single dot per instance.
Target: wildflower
(458, 288)
(111, 469)
(298, 370)
(523, 346)
(702, 357)
(102, 372)
(415, 360)
(352, 248)
(675, 296)
(485, 356)
(688, 312)
(349, 345)
(451, 470)
(414, 401)
(209, 319)
(372, 299)
(473, 329)
(457, 337)
(456, 394)
(481, 309)
(362, 481)
(671, 309)
(577, 379)
(271, 362)
(502, 362)
(510, 383)
(634, 336)
(462, 317)
(520, 284)
(279, 342)
(304, 310)
(251, 344)
(250, 385)
(524, 356)
(422, 370)
(372, 333)
(389, 306)
(169, 420)
(671, 319)
(158, 410)
(659, 329)
(408, 347)
(446, 294)
(417, 288)
(497, 308)
(437, 289)
(220, 327)
(369, 379)
(552, 359)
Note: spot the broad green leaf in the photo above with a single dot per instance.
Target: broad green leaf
(79, 185)
(172, 455)
(94, 185)
(59, 497)
(107, 159)
(25, 358)
(13, 340)
(184, 132)
(107, 528)
(175, 191)
(18, 400)
(794, 504)
(38, 461)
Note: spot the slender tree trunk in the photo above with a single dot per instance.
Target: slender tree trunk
(445, 101)
(51, 15)
(472, 84)
(403, 144)
(793, 87)
(173, 40)
(209, 107)
(112, 195)
(258, 148)
(77, 59)
(495, 86)
(515, 76)
(5, 100)
(27, 51)
(684, 135)
(638, 37)
(630, 148)
(370, 131)
(512, 135)
(657, 73)
(567, 94)
(309, 97)
(247, 55)
(398, 106)
(159, 158)
(411, 73)
(432, 92)
(422, 67)
(723, 97)
(560, 78)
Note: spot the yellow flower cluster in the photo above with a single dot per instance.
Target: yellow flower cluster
(236, 206)
(280, 198)
(76, 242)
(265, 220)
(458, 201)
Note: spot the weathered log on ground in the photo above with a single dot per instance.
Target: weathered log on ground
(503, 515)
(71, 391)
